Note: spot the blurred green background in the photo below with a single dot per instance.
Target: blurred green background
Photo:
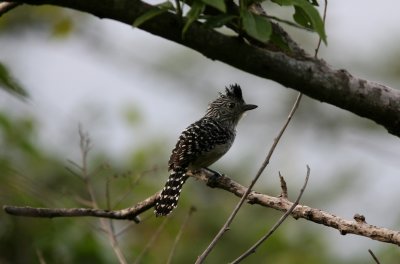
(134, 93)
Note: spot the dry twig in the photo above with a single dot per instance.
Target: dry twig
(373, 256)
(151, 241)
(252, 249)
(178, 236)
(40, 257)
(324, 20)
(129, 213)
(107, 225)
(284, 190)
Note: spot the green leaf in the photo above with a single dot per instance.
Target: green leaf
(306, 15)
(9, 84)
(218, 4)
(219, 20)
(301, 17)
(304, 11)
(256, 26)
(193, 14)
(156, 11)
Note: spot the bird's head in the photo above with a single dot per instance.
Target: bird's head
(229, 106)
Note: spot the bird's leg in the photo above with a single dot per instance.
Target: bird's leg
(213, 180)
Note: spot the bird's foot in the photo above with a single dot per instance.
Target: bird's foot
(212, 180)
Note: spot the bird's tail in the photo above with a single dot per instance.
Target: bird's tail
(168, 199)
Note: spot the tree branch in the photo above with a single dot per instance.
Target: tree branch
(125, 214)
(308, 75)
(305, 212)
(278, 203)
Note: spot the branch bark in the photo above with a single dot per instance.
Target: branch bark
(305, 212)
(315, 215)
(125, 214)
(308, 75)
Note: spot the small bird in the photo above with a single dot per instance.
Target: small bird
(202, 143)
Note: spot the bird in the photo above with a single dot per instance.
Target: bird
(202, 143)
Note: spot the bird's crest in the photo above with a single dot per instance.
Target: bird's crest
(234, 91)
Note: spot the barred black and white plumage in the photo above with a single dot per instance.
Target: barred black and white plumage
(202, 143)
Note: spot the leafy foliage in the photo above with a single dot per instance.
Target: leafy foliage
(219, 20)
(256, 26)
(194, 13)
(156, 11)
(306, 15)
(218, 4)
(240, 18)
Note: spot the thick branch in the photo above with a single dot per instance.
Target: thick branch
(310, 76)
(344, 226)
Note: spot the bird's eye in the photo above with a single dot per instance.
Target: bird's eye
(231, 105)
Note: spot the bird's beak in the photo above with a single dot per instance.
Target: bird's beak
(248, 107)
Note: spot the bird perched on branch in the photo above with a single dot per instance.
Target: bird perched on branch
(202, 143)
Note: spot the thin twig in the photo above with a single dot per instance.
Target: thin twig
(373, 256)
(73, 172)
(123, 229)
(178, 236)
(107, 225)
(40, 257)
(284, 193)
(178, 9)
(290, 23)
(257, 9)
(85, 146)
(225, 227)
(132, 184)
(76, 165)
(324, 20)
(151, 241)
(252, 249)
